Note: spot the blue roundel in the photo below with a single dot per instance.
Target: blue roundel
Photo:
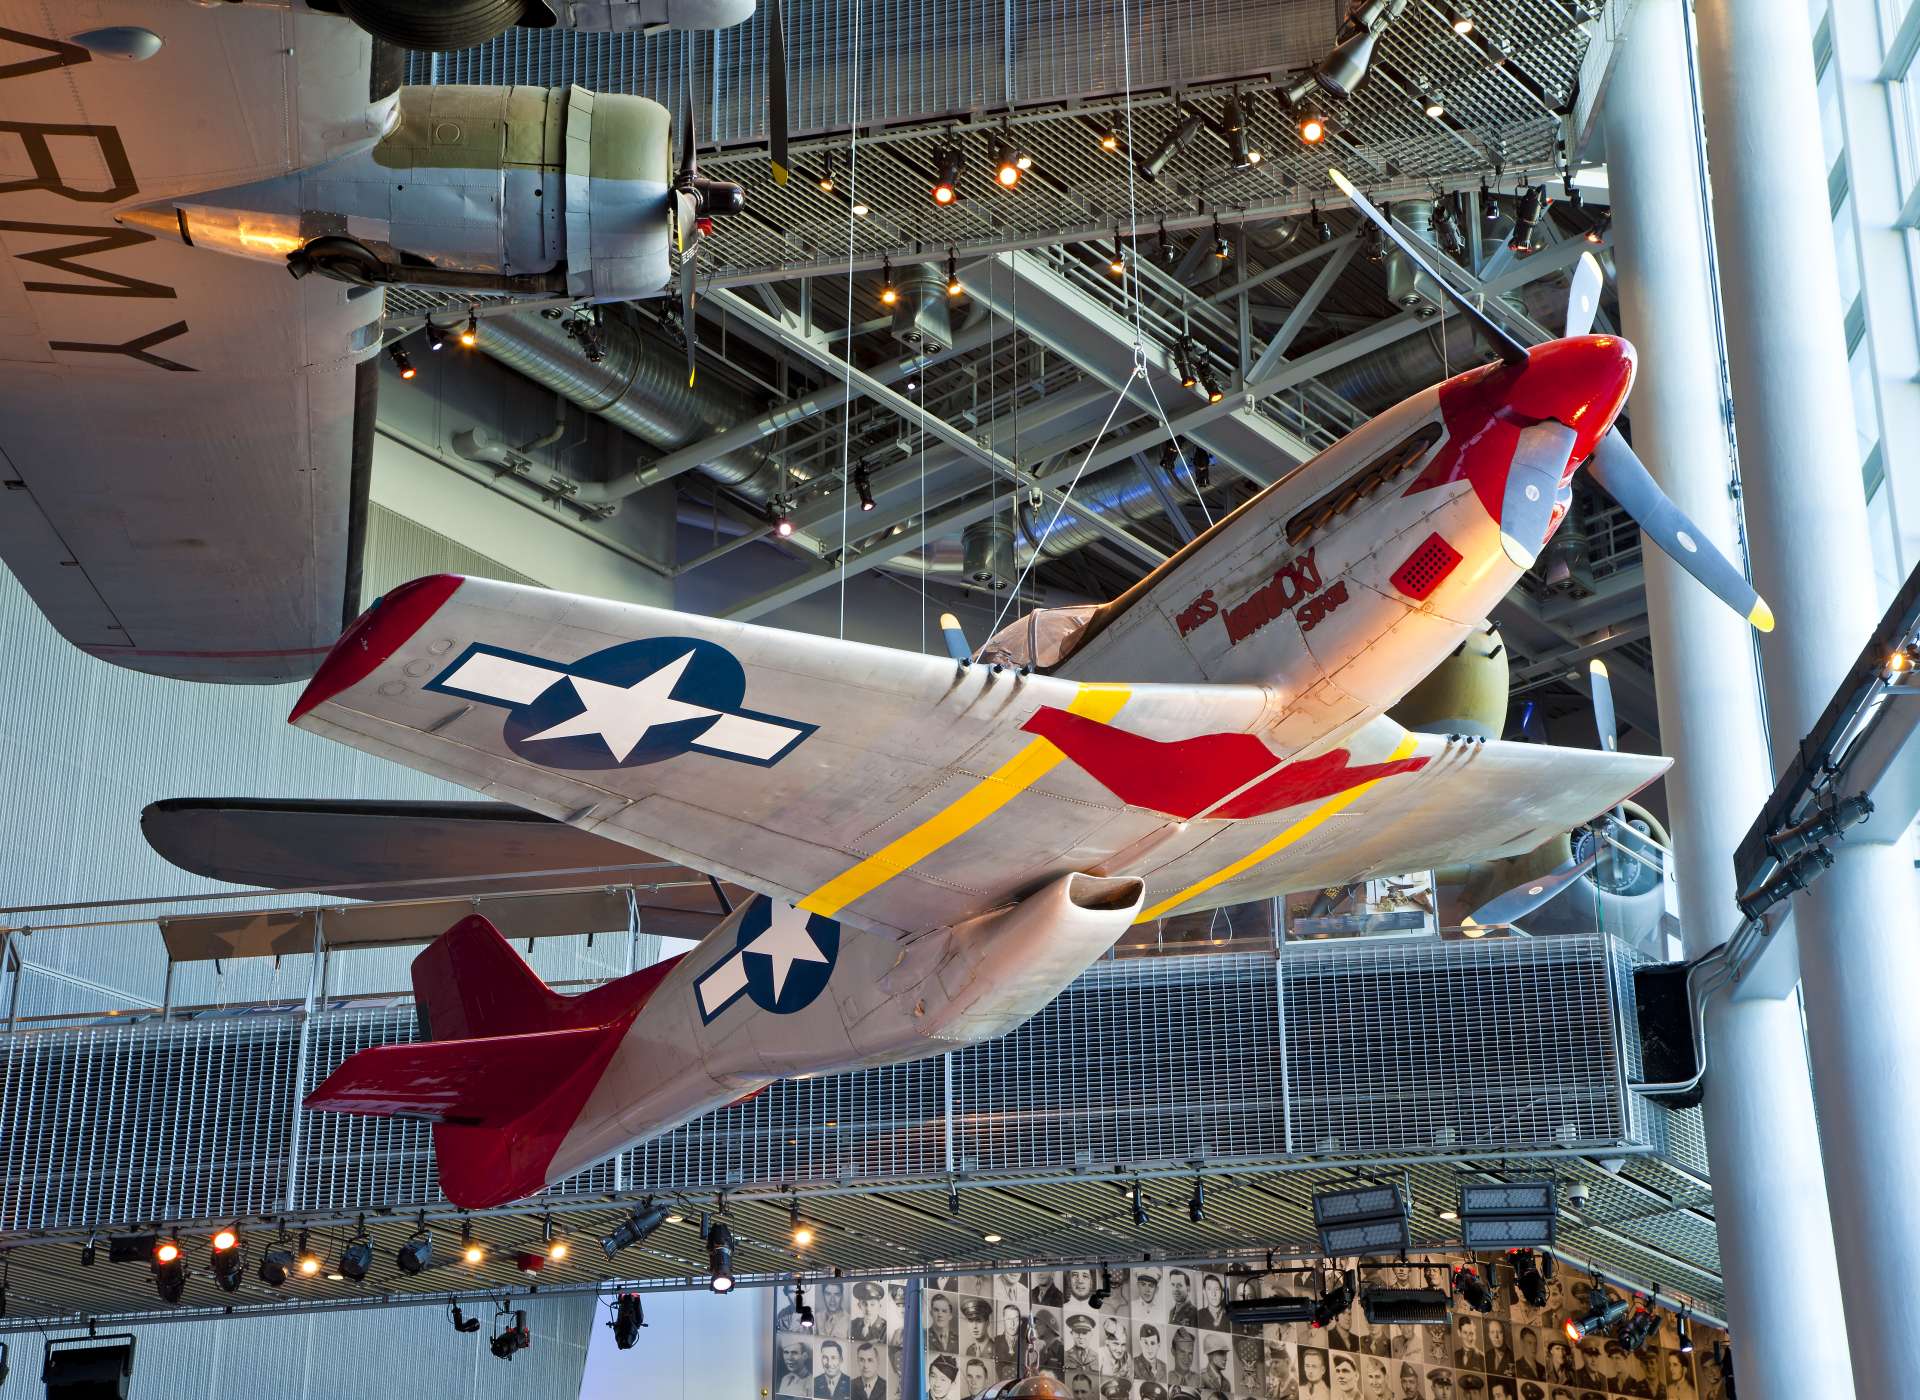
(781, 960)
(711, 679)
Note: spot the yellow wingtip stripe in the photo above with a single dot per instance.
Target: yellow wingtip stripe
(1339, 802)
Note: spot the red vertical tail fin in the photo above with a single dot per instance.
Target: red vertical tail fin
(469, 982)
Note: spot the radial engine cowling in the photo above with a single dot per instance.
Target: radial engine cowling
(540, 191)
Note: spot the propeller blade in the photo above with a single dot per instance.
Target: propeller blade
(1511, 350)
(1623, 476)
(1604, 720)
(1583, 295)
(957, 647)
(686, 313)
(1522, 900)
(777, 89)
(689, 166)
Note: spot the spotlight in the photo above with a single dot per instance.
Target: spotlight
(1473, 1289)
(953, 1200)
(825, 182)
(798, 1229)
(802, 1309)
(1233, 126)
(1572, 191)
(1602, 226)
(947, 160)
(1313, 128)
(954, 287)
(309, 1262)
(472, 1252)
(557, 1250)
(1686, 1337)
(1222, 249)
(1211, 387)
(1527, 1278)
(1489, 205)
(1346, 67)
(1174, 142)
(1117, 264)
(356, 1259)
(991, 1237)
(275, 1265)
(470, 333)
(1098, 1298)
(1183, 361)
(1169, 255)
(436, 337)
(1139, 1206)
(1200, 463)
(170, 1277)
(783, 527)
(228, 1263)
(89, 1253)
(1434, 107)
(398, 354)
(1462, 20)
(1109, 139)
(889, 294)
(512, 1338)
(1600, 1315)
(627, 1320)
(1007, 168)
(416, 1255)
(463, 1323)
(1639, 1328)
(720, 1257)
(165, 1251)
(1322, 227)
(1526, 213)
(1170, 464)
(1197, 1202)
(1334, 1302)
(860, 209)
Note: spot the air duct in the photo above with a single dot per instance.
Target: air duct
(1404, 286)
(922, 320)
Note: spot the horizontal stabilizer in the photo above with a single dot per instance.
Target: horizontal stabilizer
(489, 1081)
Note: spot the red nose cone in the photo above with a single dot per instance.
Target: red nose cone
(1581, 381)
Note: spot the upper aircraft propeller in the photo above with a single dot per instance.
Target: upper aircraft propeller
(696, 202)
(1614, 465)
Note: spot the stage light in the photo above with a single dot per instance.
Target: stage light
(802, 1309)
(1211, 387)
(1169, 255)
(463, 1323)
(226, 1260)
(991, 1237)
(860, 209)
(1334, 1302)
(557, 1250)
(1233, 127)
(472, 1252)
(889, 294)
(1462, 20)
(1526, 213)
(1686, 1337)
(1313, 128)
(1183, 361)
(954, 285)
(1508, 1215)
(1361, 1220)
(1406, 1307)
(1601, 1314)
(225, 1240)
(1322, 227)
(309, 1262)
(89, 1253)
(1222, 250)
(627, 1320)
(1117, 264)
(1109, 139)
(798, 1229)
(1170, 464)
(357, 1258)
(720, 1257)
(165, 1251)
(1434, 107)
(511, 1338)
(1170, 146)
(1098, 1298)
(470, 333)
(436, 337)
(953, 1200)
(1200, 463)
(1602, 226)
(825, 182)
(947, 160)
(1007, 168)
(1489, 205)
(1640, 1327)
(1527, 1278)
(782, 522)
(170, 1278)
(1197, 1202)
(398, 354)
(1473, 1289)
(129, 1249)
(1139, 1206)
(416, 1255)
(275, 1265)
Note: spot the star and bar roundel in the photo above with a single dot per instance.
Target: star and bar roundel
(638, 702)
(781, 961)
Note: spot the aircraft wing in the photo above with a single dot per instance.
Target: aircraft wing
(183, 436)
(900, 792)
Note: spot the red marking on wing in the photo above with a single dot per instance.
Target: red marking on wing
(1184, 777)
(375, 635)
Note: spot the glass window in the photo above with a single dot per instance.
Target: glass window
(1866, 412)
(1830, 129)
(1846, 252)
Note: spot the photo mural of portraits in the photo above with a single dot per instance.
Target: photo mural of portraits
(852, 1351)
(1163, 1333)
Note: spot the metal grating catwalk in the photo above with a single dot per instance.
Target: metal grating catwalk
(1246, 1067)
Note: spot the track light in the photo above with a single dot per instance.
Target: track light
(954, 287)
(1009, 162)
(1602, 226)
(1222, 250)
(436, 337)
(416, 1255)
(1472, 1288)
(825, 182)
(1211, 387)
(720, 1257)
(1686, 1338)
(797, 1228)
(802, 1310)
(627, 1320)
(1462, 20)
(401, 361)
(1117, 264)
(1434, 107)
(1322, 227)
(1640, 1328)
(1197, 1202)
(860, 209)
(165, 1250)
(947, 160)
(1334, 1302)
(1600, 1315)
(170, 1276)
(1313, 128)
(1098, 1298)
(512, 1338)
(649, 1216)
(1527, 1277)
(1170, 146)
(889, 294)
(1183, 361)
(1233, 127)
(308, 1262)
(953, 1200)
(472, 1252)
(463, 1323)
(275, 1265)
(470, 333)
(863, 487)
(1526, 213)
(783, 527)
(1170, 464)
(1169, 255)
(227, 1261)
(1109, 139)
(1345, 68)
(357, 1258)
(1139, 1205)
(557, 1250)
(1489, 205)
(89, 1253)
(1200, 464)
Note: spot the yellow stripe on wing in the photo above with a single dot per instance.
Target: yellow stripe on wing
(1339, 802)
(964, 813)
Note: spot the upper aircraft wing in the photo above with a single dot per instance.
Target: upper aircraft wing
(901, 792)
(182, 437)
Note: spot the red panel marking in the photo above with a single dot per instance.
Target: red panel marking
(375, 635)
(511, 1067)
(1426, 568)
(1185, 777)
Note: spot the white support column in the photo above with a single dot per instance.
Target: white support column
(1807, 516)
(1769, 1195)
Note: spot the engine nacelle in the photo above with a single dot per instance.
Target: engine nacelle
(534, 191)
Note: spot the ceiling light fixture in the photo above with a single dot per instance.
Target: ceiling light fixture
(1170, 146)
(1197, 1202)
(860, 209)
(863, 487)
(1472, 1289)
(947, 160)
(1434, 107)
(401, 361)
(798, 1230)
(1334, 1302)
(1526, 213)
(1602, 226)
(1222, 250)
(720, 1257)
(436, 337)
(1322, 227)
(309, 1262)
(1462, 20)
(471, 1250)
(1109, 139)
(227, 1259)
(629, 1316)
(1601, 1314)
(1211, 387)
(1345, 68)
(645, 1219)
(470, 333)
(825, 181)
(1117, 264)
(1313, 128)
(1139, 1206)
(1241, 155)
(955, 288)
(889, 294)
(782, 521)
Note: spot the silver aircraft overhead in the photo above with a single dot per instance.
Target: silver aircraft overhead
(185, 429)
